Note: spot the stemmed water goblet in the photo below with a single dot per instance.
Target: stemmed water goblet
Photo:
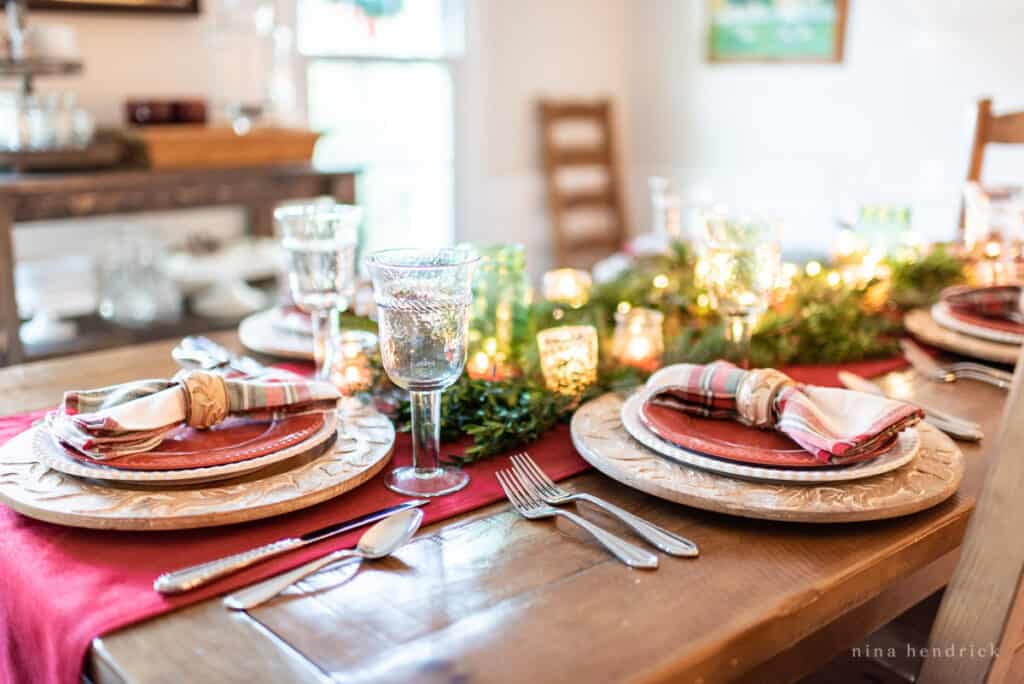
(320, 239)
(423, 301)
(741, 262)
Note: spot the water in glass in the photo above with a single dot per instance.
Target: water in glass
(320, 272)
(423, 338)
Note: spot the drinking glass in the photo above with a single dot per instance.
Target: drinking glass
(742, 260)
(423, 303)
(320, 240)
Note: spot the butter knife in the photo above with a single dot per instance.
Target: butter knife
(953, 425)
(194, 576)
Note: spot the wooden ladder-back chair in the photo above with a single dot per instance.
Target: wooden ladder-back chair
(984, 603)
(588, 221)
(1006, 129)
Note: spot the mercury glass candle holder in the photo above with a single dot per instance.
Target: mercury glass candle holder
(568, 358)
(569, 286)
(354, 368)
(638, 340)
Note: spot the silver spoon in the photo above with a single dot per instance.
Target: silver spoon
(379, 541)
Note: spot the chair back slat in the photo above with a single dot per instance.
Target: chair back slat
(1007, 129)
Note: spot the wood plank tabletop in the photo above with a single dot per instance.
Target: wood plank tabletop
(490, 597)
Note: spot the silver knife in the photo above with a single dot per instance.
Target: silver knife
(957, 427)
(185, 579)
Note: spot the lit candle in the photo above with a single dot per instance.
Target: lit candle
(352, 370)
(638, 339)
(489, 363)
(568, 286)
(568, 358)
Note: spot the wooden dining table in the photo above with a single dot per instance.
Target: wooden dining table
(490, 597)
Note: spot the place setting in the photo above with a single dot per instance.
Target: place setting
(982, 322)
(225, 440)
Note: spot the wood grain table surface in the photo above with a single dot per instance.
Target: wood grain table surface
(490, 597)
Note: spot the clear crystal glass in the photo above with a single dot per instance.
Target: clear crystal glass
(423, 301)
(741, 262)
(320, 239)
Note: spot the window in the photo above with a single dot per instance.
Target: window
(380, 87)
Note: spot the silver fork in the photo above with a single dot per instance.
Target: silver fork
(533, 508)
(927, 366)
(550, 493)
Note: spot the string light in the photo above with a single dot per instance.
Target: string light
(812, 268)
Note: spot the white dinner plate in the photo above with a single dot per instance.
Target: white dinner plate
(902, 452)
(263, 333)
(944, 317)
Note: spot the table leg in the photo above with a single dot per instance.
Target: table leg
(261, 219)
(9, 323)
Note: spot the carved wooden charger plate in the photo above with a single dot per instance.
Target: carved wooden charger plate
(366, 440)
(932, 477)
(921, 325)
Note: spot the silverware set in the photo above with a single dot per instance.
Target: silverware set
(196, 576)
(197, 351)
(963, 370)
(531, 491)
(535, 496)
(380, 541)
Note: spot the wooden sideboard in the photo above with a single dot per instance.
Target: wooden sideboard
(35, 197)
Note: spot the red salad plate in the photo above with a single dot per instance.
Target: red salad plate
(233, 441)
(732, 441)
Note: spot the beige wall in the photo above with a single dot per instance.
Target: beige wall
(811, 141)
(132, 55)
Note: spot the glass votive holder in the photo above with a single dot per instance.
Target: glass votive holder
(354, 368)
(568, 358)
(638, 340)
(569, 286)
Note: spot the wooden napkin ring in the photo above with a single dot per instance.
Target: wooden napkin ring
(206, 399)
(755, 397)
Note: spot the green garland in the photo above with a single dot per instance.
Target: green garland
(917, 282)
(818, 322)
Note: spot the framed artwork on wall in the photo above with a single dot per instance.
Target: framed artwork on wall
(776, 30)
(165, 6)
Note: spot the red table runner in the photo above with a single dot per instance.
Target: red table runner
(61, 586)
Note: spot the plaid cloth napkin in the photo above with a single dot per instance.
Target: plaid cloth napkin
(120, 420)
(835, 425)
(1001, 302)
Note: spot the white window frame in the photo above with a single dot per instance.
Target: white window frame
(463, 15)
